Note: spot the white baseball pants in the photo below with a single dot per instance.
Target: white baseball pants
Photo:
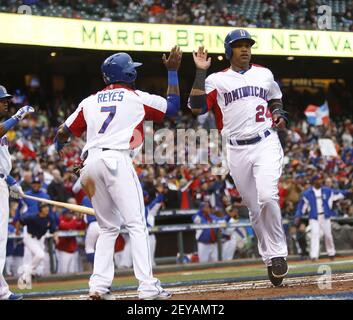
(92, 234)
(13, 263)
(256, 169)
(208, 252)
(4, 221)
(117, 199)
(34, 254)
(67, 261)
(229, 247)
(317, 227)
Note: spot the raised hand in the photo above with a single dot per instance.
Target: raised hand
(200, 59)
(22, 112)
(174, 59)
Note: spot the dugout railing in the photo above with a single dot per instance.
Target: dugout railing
(179, 229)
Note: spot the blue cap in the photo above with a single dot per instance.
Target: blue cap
(4, 94)
(119, 67)
(236, 35)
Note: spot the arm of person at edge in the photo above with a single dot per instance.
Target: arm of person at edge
(173, 94)
(198, 97)
(13, 120)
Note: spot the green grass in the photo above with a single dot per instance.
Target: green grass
(205, 274)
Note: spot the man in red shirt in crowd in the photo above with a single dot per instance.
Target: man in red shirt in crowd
(67, 246)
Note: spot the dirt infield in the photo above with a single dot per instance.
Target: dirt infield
(307, 287)
(303, 287)
(305, 280)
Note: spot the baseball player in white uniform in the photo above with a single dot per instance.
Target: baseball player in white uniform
(248, 109)
(113, 119)
(318, 201)
(6, 182)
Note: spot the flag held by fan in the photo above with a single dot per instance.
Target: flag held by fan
(317, 115)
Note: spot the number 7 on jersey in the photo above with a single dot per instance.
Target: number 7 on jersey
(112, 111)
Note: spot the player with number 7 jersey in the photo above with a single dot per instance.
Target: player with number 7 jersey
(113, 119)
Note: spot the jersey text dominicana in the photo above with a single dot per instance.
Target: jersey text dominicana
(114, 117)
(239, 101)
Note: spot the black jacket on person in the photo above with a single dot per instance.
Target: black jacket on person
(37, 226)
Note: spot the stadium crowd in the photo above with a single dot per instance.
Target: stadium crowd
(34, 156)
(291, 14)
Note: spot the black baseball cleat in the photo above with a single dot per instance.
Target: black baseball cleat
(279, 267)
(277, 282)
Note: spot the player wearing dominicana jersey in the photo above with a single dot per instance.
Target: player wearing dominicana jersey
(113, 119)
(6, 182)
(248, 109)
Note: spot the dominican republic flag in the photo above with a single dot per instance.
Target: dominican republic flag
(317, 115)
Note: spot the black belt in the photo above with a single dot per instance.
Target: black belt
(250, 141)
(321, 213)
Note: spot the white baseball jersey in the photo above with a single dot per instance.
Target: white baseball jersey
(5, 157)
(113, 117)
(239, 101)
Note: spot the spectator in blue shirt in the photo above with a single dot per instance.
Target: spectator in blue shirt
(318, 201)
(206, 238)
(28, 206)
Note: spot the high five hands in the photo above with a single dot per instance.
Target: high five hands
(174, 59)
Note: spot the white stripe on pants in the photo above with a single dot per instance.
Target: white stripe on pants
(322, 225)
(256, 170)
(4, 220)
(118, 200)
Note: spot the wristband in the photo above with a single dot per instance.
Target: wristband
(173, 105)
(173, 78)
(281, 113)
(8, 124)
(10, 180)
(58, 145)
